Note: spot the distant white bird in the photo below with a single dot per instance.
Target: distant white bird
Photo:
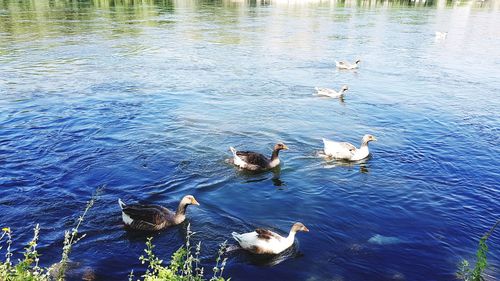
(347, 65)
(347, 151)
(263, 241)
(330, 92)
(441, 35)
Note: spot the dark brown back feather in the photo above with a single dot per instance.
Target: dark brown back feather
(253, 158)
(149, 214)
(264, 234)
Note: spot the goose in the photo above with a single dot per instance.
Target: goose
(347, 151)
(331, 93)
(154, 217)
(441, 35)
(347, 65)
(255, 161)
(263, 241)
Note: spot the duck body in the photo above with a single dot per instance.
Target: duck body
(441, 35)
(255, 161)
(330, 92)
(347, 65)
(263, 241)
(347, 151)
(154, 217)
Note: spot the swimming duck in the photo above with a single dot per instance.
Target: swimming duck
(347, 151)
(154, 217)
(347, 65)
(255, 161)
(263, 241)
(331, 93)
(441, 35)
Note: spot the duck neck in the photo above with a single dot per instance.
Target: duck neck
(180, 214)
(291, 235)
(364, 144)
(275, 154)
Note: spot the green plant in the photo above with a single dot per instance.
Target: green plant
(465, 272)
(28, 269)
(184, 265)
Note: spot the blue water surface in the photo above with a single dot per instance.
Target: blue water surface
(145, 99)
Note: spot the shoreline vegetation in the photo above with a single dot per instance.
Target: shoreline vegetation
(183, 266)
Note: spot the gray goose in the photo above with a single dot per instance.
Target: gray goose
(154, 217)
(255, 161)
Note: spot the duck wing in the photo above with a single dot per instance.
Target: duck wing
(265, 234)
(339, 150)
(147, 217)
(253, 158)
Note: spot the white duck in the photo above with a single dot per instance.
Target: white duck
(441, 35)
(347, 151)
(263, 241)
(330, 92)
(347, 65)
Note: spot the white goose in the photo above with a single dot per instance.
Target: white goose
(330, 92)
(347, 65)
(441, 35)
(347, 151)
(263, 241)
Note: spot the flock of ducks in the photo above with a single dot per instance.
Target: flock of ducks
(261, 241)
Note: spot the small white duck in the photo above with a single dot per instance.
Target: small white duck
(441, 35)
(263, 241)
(330, 92)
(347, 151)
(347, 65)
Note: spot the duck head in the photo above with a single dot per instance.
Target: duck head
(368, 138)
(298, 226)
(280, 146)
(189, 200)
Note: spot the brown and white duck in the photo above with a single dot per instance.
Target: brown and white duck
(255, 161)
(154, 217)
(263, 241)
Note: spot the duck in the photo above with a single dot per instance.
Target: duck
(441, 35)
(264, 241)
(347, 151)
(330, 92)
(255, 161)
(347, 65)
(154, 217)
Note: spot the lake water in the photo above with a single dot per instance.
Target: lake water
(146, 98)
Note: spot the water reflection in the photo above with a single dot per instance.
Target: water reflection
(259, 176)
(46, 16)
(330, 163)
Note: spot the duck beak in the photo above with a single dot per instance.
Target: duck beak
(285, 147)
(306, 229)
(194, 202)
(374, 139)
